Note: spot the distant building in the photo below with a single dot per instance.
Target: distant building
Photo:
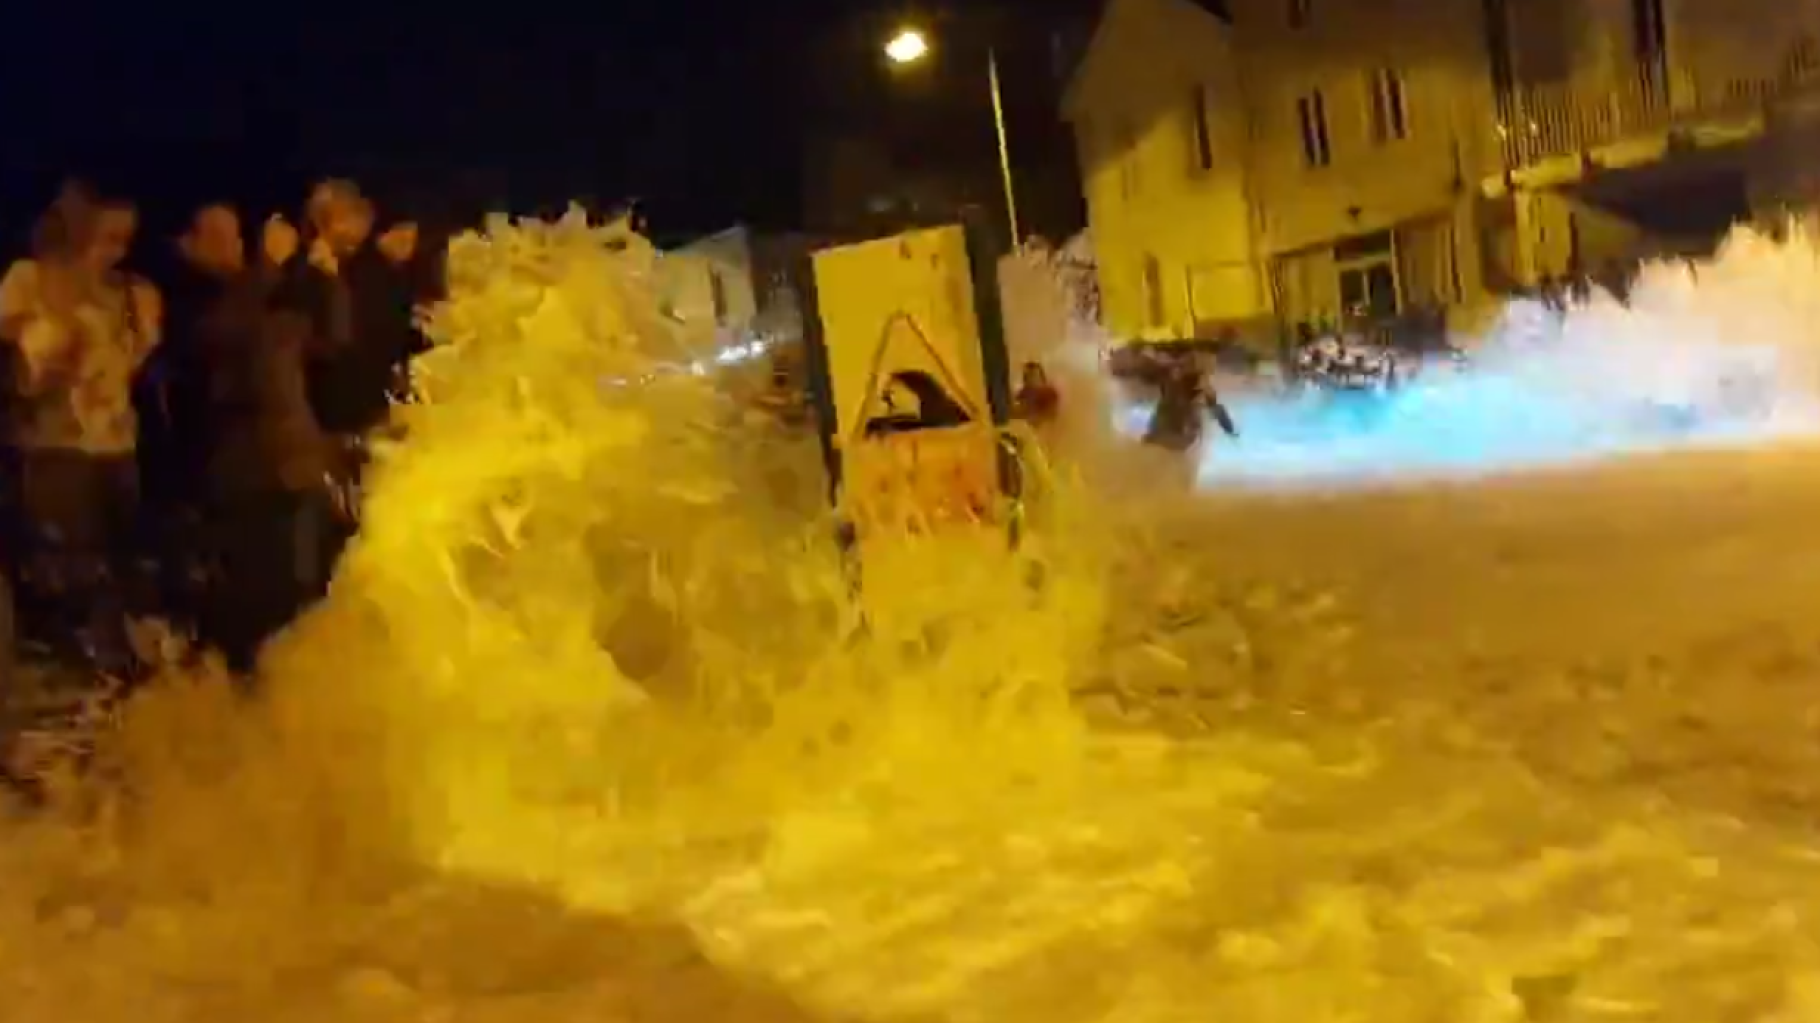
(736, 282)
(709, 281)
(1305, 159)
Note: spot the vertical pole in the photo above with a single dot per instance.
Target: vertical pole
(995, 358)
(820, 382)
(995, 362)
(827, 423)
(1004, 147)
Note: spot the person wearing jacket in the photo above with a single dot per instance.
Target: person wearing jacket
(360, 293)
(78, 328)
(271, 460)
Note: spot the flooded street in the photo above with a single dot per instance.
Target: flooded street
(591, 727)
(1534, 749)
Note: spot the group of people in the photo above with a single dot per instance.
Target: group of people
(178, 451)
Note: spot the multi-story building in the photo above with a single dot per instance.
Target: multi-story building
(1362, 126)
(1298, 159)
(1164, 144)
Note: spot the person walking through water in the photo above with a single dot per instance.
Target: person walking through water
(1184, 401)
(269, 468)
(79, 329)
(1037, 401)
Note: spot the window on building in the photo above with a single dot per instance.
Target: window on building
(1156, 312)
(1649, 33)
(1369, 291)
(1312, 110)
(1200, 108)
(717, 295)
(1389, 111)
(1299, 11)
(1367, 271)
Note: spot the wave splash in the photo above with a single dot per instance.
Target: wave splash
(590, 624)
(596, 651)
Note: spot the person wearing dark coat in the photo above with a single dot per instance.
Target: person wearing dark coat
(268, 470)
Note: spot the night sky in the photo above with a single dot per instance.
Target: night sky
(701, 109)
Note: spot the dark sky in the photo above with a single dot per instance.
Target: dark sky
(701, 108)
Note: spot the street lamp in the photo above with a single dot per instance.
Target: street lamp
(909, 46)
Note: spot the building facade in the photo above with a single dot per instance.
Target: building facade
(734, 294)
(1365, 121)
(707, 283)
(1160, 125)
(1302, 160)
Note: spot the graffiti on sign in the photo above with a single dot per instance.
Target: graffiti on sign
(923, 479)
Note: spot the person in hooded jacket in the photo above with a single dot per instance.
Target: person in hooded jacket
(360, 293)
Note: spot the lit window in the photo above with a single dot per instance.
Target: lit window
(1312, 110)
(1389, 112)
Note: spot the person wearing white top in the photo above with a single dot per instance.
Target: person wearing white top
(78, 329)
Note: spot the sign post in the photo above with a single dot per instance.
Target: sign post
(910, 382)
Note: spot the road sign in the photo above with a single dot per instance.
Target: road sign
(908, 365)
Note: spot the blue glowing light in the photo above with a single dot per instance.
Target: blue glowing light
(1541, 389)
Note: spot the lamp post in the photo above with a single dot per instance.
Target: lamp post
(909, 46)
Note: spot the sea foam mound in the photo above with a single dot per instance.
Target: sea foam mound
(1714, 352)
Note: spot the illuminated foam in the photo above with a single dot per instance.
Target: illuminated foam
(595, 651)
(1722, 352)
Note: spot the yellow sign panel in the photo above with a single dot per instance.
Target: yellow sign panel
(912, 418)
(897, 317)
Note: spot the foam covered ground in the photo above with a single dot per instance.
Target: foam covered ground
(589, 730)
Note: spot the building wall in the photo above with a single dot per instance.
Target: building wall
(1371, 181)
(1571, 43)
(1367, 119)
(1784, 176)
(1176, 246)
(1737, 39)
(1540, 35)
(1173, 238)
(1593, 46)
(1569, 236)
(708, 284)
(711, 280)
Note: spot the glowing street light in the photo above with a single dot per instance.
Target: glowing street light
(909, 46)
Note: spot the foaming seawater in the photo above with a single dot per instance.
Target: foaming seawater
(1716, 353)
(596, 651)
(580, 648)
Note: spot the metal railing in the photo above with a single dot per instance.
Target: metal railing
(1551, 121)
